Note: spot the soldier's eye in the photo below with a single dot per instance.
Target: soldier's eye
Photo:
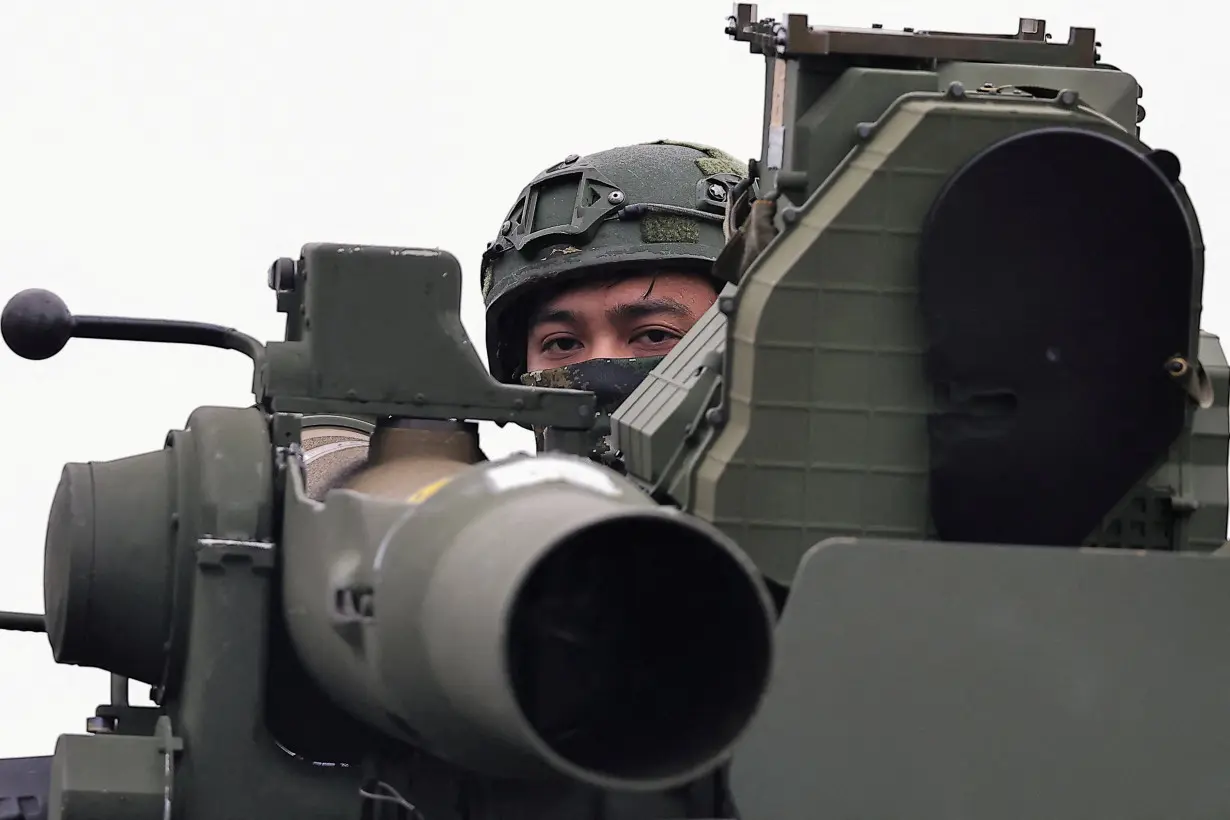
(563, 344)
(656, 336)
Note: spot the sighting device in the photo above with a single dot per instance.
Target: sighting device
(953, 414)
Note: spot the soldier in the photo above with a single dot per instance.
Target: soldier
(604, 263)
(601, 266)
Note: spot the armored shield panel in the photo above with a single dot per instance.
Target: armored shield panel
(952, 682)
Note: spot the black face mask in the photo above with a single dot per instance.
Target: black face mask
(611, 381)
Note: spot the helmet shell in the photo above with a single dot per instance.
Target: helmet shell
(656, 205)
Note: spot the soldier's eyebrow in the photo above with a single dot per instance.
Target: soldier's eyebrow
(551, 315)
(629, 311)
(645, 308)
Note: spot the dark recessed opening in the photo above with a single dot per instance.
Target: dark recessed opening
(1056, 273)
(639, 649)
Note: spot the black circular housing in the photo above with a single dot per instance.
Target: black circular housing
(1056, 275)
(107, 559)
(639, 650)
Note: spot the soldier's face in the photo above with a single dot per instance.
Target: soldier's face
(640, 315)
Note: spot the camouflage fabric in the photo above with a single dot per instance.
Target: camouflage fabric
(610, 380)
(657, 205)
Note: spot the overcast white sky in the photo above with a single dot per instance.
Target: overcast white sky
(157, 156)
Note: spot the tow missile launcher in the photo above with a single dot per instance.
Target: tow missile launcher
(955, 399)
(953, 403)
(440, 635)
(952, 276)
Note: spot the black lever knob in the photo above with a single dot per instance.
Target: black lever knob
(36, 324)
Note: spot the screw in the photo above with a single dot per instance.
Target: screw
(717, 191)
(571, 158)
(615, 197)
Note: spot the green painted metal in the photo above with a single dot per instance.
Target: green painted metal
(925, 517)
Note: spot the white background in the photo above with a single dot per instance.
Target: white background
(155, 157)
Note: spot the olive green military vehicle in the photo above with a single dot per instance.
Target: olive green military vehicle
(921, 520)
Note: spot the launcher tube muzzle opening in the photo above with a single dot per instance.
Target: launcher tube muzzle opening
(543, 615)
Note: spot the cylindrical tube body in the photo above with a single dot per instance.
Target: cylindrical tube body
(533, 615)
(108, 562)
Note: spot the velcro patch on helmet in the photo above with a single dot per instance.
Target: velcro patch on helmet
(668, 228)
(714, 161)
(488, 279)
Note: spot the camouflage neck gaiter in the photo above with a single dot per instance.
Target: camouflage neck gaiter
(610, 380)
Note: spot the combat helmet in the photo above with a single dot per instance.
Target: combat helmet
(656, 204)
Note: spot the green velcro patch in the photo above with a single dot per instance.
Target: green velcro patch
(714, 165)
(714, 161)
(668, 228)
(487, 280)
